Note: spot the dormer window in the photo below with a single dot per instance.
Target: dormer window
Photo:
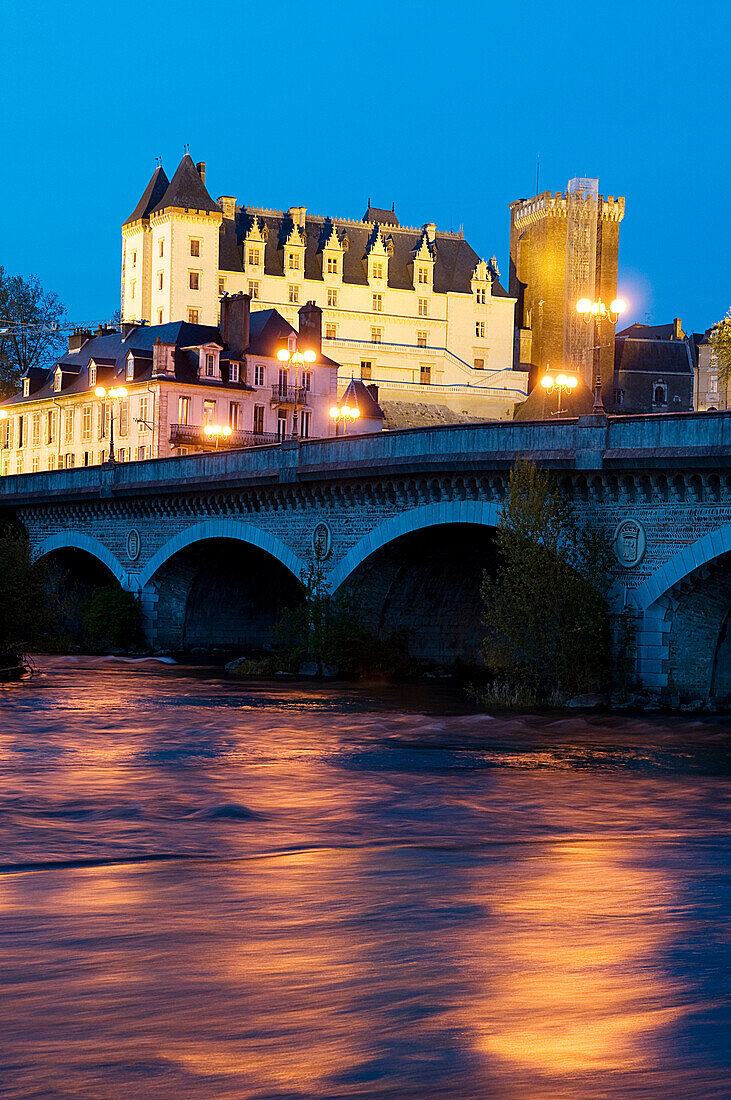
(254, 254)
(92, 375)
(57, 381)
(129, 374)
(294, 261)
(233, 372)
(332, 265)
(423, 274)
(377, 269)
(26, 387)
(210, 365)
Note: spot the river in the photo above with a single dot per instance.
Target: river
(212, 889)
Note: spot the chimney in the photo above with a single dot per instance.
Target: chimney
(78, 338)
(431, 232)
(310, 338)
(678, 333)
(228, 206)
(298, 214)
(201, 170)
(163, 359)
(128, 327)
(373, 391)
(235, 316)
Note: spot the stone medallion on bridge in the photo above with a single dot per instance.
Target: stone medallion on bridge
(134, 544)
(630, 543)
(322, 541)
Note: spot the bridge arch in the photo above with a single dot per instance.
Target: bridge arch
(75, 540)
(686, 561)
(481, 513)
(222, 529)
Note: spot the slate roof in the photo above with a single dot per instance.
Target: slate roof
(656, 357)
(152, 194)
(540, 405)
(186, 189)
(382, 217)
(268, 329)
(649, 332)
(358, 394)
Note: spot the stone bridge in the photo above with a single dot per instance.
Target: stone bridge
(213, 543)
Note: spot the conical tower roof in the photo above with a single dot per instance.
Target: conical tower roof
(152, 194)
(359, 396)
(186, 189)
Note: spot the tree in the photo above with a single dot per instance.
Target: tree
(24, 302)
(23, 614)
(720, 340)
(545, 607)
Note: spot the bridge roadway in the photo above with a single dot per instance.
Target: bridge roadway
(661, 484)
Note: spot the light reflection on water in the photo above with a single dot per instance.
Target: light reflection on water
(362, 901)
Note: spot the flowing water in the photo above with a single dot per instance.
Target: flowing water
(222, 890)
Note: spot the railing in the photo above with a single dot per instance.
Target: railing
(194, 435)
(289, 395)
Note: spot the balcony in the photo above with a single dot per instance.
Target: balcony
(193, 435)
(290, 395)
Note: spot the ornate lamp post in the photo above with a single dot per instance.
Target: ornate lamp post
(217, 431)
(598, 312)
(113, 393)
(562, 383)
(347, 413)
(295, 358)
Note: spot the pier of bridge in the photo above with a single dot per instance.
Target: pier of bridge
(214, 543)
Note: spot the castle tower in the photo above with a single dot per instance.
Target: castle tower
(171, 251)
(563, 247)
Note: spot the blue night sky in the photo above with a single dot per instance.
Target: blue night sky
(439, 107)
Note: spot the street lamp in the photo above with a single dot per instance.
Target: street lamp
(561, 383)
(347, 413)
(113, 393)
(217, 431)
(598, 312)
(296, 358)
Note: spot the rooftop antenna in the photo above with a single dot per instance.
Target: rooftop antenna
(186, 148)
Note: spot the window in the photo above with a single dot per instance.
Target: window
(132, 287)
(121, 454)
(161, 247)
(195, 248)
(50, 427)
(424, 374)
(159, 280)
(233, 416)
(103, 420)
(376, 334)
(210, 361)
(281, 425)
(86, 414)
(209, 412)
(5, 433)
(36, 464)
(253, 288)
(332, 298)
(129, 373)
(68, 426)
(183, 410)
(57, 381)
(294, 261)
(260, 373)
(254, 256)
(423, 274)
(142, 453)
(144, 417)
(19, 464)
(283, 381)
(660, 393)
(123, 417)
(331, 332)
(21, 435)
(479, 364)
(332, 265)
(307, 380)
(366, 370)
(92, 374)
(134, 259)
(233, 372)
(377, 269)
(378, 303)
(479, 328)
(305, 419)
(69, 460)
(51, 462)
(258, 419)
(619, 397)
(481, 296)
(194, 280)
(423, 307)
(294, 293)
(422, 339)
(36, 429)
(26, 387)
(192, 316)
(159, 316)
(221, 286)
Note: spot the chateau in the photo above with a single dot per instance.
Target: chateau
(413, 309)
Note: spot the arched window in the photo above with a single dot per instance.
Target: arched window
(659, 392)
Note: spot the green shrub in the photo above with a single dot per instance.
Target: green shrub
(111, 619)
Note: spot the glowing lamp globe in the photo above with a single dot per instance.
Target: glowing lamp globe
(309, 357)
(572, 382)
(583, 306)
(561, 380)
(100, 391)
(282, 355)
(546, 381)
(618, 305)
(355, 413)
(334, 412)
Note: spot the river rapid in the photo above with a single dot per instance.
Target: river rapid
(215, 889)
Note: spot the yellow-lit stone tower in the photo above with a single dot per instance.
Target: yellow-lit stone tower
(563, 247)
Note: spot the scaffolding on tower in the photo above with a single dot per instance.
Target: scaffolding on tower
(582, 214)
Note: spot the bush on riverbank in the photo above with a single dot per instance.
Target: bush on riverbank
(111, 619)
(23, 602)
